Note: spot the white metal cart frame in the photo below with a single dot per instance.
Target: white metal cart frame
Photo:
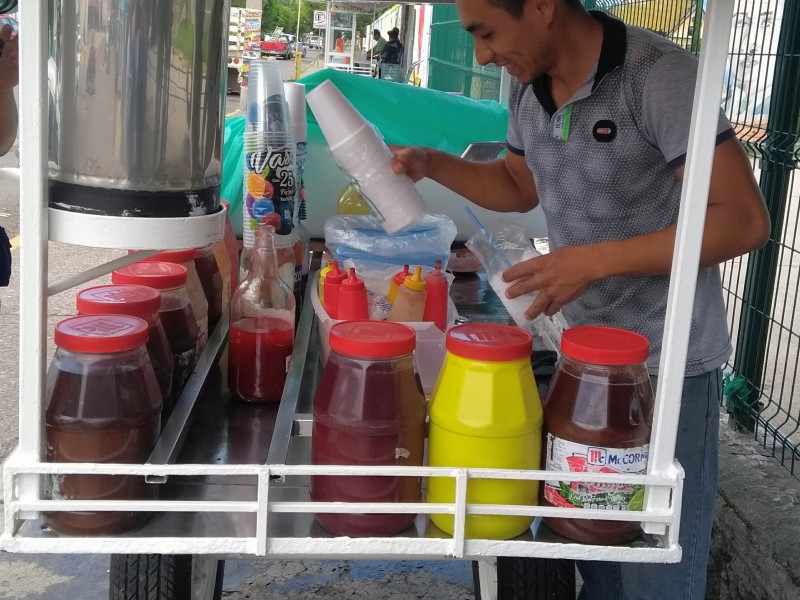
(24, 468)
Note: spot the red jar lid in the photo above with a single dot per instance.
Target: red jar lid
(372, 339)
(171, 256)
(101, 334)
(489, 342)
(133, 300)
(605, 345)
(158, 275)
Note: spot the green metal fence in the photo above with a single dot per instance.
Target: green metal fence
(452, 66)
(761, 96)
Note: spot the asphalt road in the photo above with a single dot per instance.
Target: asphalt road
(55, 577)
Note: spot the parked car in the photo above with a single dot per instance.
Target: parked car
(291, 40)
(283, 47)
(315, 42)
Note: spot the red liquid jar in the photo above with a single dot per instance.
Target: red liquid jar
(175, 313)
(211, 279)
(597, 419)
(369, 409)
(135, 301)
(103, 406)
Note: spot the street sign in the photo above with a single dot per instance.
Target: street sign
(320, 19)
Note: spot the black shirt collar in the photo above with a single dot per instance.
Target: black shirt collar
(612, 55)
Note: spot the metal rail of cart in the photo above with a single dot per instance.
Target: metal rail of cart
(215, 503)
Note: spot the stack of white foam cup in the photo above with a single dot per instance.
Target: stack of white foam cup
(361, 152)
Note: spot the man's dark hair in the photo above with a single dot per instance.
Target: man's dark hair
(516, 7)
(376, 32)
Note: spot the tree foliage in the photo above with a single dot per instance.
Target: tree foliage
(283, 13)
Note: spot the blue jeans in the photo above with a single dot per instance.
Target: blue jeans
(696, 450)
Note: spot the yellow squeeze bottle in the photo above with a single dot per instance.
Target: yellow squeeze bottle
(409, 302)
(323, 272)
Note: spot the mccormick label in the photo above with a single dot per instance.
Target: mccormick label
(563, 455)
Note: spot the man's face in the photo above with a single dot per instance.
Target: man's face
(521, 45)
(376, 36)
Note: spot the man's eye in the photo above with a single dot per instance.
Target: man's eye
(487, 36)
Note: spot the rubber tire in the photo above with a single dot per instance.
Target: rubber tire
(531, 579)
(155, 577)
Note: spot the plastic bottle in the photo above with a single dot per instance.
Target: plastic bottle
(597, 419)
(287, 249)
(232, 246)
(485, 413)
(226, 272)
(436, 297)
(103, 406)
(409, 304)
(351, 202)
(262, 326)
(333, 281)
(305, 239)
(322, 274)
(205, 262)
(368, 410)
(396, 282)
(353, 299)
(194, 287)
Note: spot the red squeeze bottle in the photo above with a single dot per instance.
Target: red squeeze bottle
(333, 282)
(436, 298)
(353, 299)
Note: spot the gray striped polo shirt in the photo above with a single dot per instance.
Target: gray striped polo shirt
(604, 170)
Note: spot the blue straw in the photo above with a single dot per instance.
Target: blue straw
(488, 237)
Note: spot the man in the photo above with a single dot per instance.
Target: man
(599, 119)
(392, 52)
(9, 77)
(380, 42)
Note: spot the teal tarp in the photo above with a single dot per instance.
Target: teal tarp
(404, 114)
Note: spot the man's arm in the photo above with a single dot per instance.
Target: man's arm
(504, 185)
(736, 223)
(9, 77)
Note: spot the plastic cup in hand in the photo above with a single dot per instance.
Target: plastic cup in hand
(362, 154)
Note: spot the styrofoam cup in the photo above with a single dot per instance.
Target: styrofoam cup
(295, 94)
(337, 118)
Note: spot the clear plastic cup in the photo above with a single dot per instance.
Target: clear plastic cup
(266, 104)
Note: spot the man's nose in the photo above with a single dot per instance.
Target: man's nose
(483, 53)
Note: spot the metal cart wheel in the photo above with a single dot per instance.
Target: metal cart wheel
(165, 577)
(524, 579)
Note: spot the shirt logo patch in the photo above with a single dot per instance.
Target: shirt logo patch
(604, 131)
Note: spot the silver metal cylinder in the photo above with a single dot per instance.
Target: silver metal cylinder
(137, 106)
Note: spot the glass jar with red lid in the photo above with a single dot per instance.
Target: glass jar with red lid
(597, 418)
(103, 406)
(176, 315)
(136, 301)
(369, 409)
(194, 288)
(211, 278)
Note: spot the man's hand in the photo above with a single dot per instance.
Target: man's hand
(413, 161)
(559, 277)
(9, 59)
